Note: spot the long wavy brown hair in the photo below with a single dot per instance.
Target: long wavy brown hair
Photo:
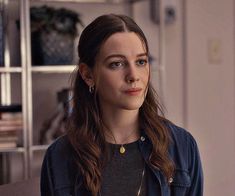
(86, 126)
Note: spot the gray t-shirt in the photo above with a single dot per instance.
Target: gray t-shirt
(123, 173)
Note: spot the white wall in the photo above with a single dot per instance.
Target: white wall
(200, 91)
(210, 90)
(172, 81)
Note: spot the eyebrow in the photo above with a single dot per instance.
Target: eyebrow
(122, 56)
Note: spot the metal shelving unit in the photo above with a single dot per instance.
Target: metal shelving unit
(53, 69)
(39, 147)
(90, 1)
(25, 70)
(19, 149)
(6, 75)
(10, 70)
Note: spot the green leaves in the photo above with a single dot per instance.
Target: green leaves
(62, 20)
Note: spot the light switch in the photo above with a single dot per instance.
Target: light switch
(214, 51)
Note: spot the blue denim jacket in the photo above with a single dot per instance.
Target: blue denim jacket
(60, 175)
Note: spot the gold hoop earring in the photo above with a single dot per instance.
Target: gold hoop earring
(91, 89)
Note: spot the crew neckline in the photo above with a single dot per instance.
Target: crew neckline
(126, 145)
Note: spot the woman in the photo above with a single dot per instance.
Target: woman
(117, 143)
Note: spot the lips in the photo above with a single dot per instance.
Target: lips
(133, 91)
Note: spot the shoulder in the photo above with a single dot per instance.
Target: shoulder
(61, 146)
(60, 153)
(180, 136)
(183, 147)
(59, 163)
(184, 152)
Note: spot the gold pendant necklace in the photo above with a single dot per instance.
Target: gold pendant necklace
(122, 150)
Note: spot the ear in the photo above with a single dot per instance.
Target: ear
(87, 74)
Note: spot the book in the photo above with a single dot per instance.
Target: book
(13, 108)
(8, 139)
(11, 115)
(11, 128)
(11, 122)
(11, 112)
(7, 133)
(8, 145)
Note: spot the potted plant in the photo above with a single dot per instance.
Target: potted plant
(53, 32)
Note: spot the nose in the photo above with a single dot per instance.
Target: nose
(132, 74)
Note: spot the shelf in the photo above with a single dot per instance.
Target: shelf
(89, 1)
(53, 69)
(39, 147)
(74, 1)
(17, 149)
(10, 69)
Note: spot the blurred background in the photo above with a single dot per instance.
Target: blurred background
(193, 69)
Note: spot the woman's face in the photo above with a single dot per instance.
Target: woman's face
(122, 72)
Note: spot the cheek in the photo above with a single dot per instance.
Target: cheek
(107, 89)
(146, 75)
(106, 84)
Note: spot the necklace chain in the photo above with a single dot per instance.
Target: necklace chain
(122, 149)
(141, 181)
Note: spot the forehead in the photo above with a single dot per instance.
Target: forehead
(124, 43)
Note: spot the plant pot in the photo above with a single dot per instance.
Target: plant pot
(52, 48)
(53, 32)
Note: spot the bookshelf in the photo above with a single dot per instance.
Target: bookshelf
(33, 86)
(13, 73)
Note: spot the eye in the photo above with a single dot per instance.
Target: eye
(141, 62)
(116, 64)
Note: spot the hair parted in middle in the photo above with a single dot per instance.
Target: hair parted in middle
(86, 128)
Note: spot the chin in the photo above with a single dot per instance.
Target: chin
(132, 106)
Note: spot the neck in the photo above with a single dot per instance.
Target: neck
(121, 126)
